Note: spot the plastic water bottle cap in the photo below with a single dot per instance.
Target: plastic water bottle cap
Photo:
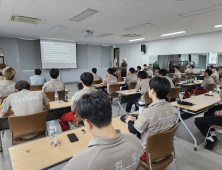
(55, 91)
(52, 121)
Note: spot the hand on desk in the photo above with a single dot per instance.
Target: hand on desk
(130, 117)
(218, 113)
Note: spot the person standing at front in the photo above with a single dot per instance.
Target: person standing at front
(124, 68)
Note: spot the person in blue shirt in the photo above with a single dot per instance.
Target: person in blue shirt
(37, 79)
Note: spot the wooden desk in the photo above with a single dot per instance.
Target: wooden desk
(198, 82)
(42, 155)
(101, 86)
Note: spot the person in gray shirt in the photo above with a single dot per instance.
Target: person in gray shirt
(37, 79)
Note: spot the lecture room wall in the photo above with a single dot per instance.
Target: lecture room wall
(200, 43)
(91, 56)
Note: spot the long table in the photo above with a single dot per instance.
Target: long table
(55, 111)
(43, 156)
(122, 83)
(202, 103)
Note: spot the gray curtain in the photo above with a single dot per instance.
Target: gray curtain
(202, 61)
(163, 61)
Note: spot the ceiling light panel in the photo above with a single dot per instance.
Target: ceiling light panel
(173, 33)
(84, 14)
(57, 28)
(216, 26)
(138, 26)
(136, 39)
(103, 35)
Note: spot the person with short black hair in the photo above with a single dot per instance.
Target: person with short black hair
(96, 77)
(113, 145)
(149, 71)
(158, 117)
(114, 72)
(177, 73)
(137, 70)
(215, 74)
(187, 69)
(156, 72)
(162, 73)
(142, 86)
(109, 79)
(131, 77)
(220, 71)
(145, 67)
(54, 84)
(7, 86)
(35, 101)
(86, 79)
(191, 69)
(37, 79)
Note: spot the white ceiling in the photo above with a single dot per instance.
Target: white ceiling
(113, 17)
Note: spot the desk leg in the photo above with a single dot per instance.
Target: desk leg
(180, 118)
(119, 100)
(1, 143)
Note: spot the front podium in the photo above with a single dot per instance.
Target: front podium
(118, 73)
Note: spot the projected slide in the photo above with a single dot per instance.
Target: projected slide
(57, 54)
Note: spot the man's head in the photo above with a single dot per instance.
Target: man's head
(149, 67)
(162, 73)
(22, 85)
(38, 71)
(124, 60)
(110, 71)
(132, 70)
(191, 66)
(207, 72)
(211, 66)
(156, 61)
(159, 87)
(138, 68)
(8, 73)
(94, 70)
(54, 73)
(188, 66)
(95, 110)
(86, 78)
(176, 68)
(144, 66)
(157, 69)
(114, 70)
(214, 69)
(142, 75)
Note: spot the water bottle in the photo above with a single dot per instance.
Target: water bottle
(52, 133)
(56, 97)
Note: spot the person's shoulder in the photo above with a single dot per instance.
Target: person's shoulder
(130, 137)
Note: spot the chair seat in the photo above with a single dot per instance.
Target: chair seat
(20, 140)
(80, 124)
(216, 126)
(158, 165)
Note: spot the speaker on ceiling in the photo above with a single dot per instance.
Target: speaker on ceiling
(143, 48)
(189, 57)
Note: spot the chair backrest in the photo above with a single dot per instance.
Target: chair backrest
(177, 80)
(51, 95)
(78, 118)
(35, 87)
(160, 144)
(3, 98)
(96, 82)
(28, 124)
(149, 77)
(189, 75)
(174, 93)
(147, 98)
(211, 87)
(132, 85)
(113, 88)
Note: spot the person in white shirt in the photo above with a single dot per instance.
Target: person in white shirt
(37, 79)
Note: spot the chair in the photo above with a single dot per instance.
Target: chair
(159, 145)
(79, 86)
(28, 124)
(3, 98)
(177, 80)
(112, 91)
(147, 99)
(96, 82)
(174, 93)
(35, 87)
(132, 85)
(213, 126)
(149, 77)
(211, 87)
(189, 75)
(51, 95)
(79, 120)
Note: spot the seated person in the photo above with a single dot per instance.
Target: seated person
(191, 69)
(121, 150)
(220, 71)
(212, 117)
(114, 73)
(20, 107)
(202, 89)
(145, 67)
(1, 76)
(131, 77)
(8, 86)
(142, 86)
(137, 70)
(149, 71)
(37, 79)
(187, 69)
(162, 73)
(177, 73)
(215, 74)
(158, 117)
(87, 79)
(109, 79)
(95, 76)
(54, 84)
(156, 72)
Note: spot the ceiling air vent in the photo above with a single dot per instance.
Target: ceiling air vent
(24, 19)
(131, 35)
(103, 35)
